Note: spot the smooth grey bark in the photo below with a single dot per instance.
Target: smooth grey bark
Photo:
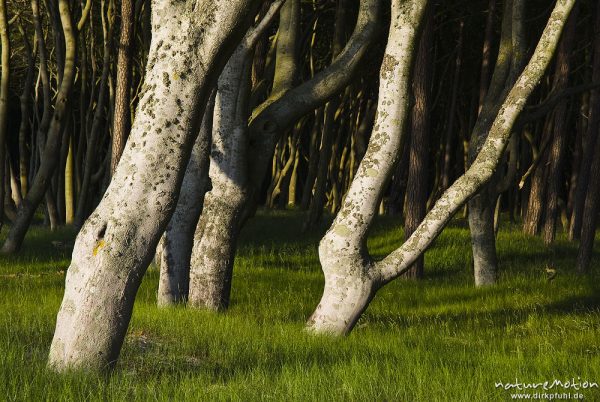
(215, 237)
(351, 276)
(174, 250)
(481, 211)
(213, 257)
(286, 61)
(190, 40)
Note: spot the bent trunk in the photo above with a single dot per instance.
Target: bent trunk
(349, 271)
(117, 242)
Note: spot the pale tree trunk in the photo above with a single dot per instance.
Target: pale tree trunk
(220, 223)
(482, 206)
(216, 235)
(175, 248)
(351, 276)
(115, 245)
(286, 62)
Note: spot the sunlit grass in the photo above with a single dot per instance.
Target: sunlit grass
(440, 339)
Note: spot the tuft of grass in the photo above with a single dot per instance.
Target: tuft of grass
(436, 340)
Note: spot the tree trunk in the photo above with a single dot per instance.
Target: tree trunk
(49, 161)
(4, 79)
(418, 173)
(559, 140)
(25, 100)
(482, 206)
(174, 251)
(216, 235)
(318, 200)
(121, 118)
(93, 139)
(351, 276)
(590, 216)
(117, 242)
(591, 137)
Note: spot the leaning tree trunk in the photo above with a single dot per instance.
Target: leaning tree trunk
(351, 276)
(210, 278)
(175, 248)
(117, 242)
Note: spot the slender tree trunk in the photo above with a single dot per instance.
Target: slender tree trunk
(69, 185)
(533, 214)
(313, 160)
(114, 247)
(591, 137)
(121, 118)
(559, 141)
(318, 200)
(25, 100)
(486, 54)
(590, 216)
(93, 139)
(448, 137)
(418, 173)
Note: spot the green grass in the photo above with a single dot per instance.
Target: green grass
(437, 340)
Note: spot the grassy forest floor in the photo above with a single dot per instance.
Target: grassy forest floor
(440, 339)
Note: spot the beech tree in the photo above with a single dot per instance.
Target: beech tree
(352, 277)
(190, 40)
(213, 256)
